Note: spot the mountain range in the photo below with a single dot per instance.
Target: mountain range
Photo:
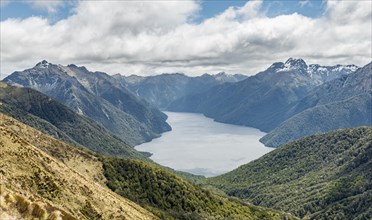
(274, 99)
(259, 100)
(98, 96)
(289, 100)
(161, 90)
(341, 103)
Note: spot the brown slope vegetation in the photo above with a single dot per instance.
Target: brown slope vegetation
(43, 185)
(15, 206)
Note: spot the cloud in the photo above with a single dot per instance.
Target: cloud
(305, 3)
(49, 6)
(160, 36)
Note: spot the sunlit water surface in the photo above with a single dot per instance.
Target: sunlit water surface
(199, 145)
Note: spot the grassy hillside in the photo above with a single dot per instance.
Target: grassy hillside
(327, 176)
(42, 177)
(43, 113)
(47, 171)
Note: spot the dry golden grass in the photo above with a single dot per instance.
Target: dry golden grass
(14, 206)
(49, 179)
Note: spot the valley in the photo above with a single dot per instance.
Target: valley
(204, 157)
(185, 110)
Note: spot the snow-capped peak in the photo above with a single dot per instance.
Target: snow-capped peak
(290, 65)
(315, 71)
(351, 67)
(345, 69)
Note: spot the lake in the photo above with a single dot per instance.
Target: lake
(199, 145)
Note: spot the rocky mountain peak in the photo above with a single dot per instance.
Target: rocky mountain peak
(293, 63)
(81, 68)
(43, 64)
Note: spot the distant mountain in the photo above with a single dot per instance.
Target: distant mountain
(49, 116)
(97, 96)
(261, 101)
(327, 176)
(163, 89)
(341, 103)
(45, 178)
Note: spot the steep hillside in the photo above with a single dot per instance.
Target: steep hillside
(327, 176)
(261, 101)
(341, 103)
(53, 178)
(97, 96)
(43, 113)
(110, 89)
(163, 89)
(42, 177)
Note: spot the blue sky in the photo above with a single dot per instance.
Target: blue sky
(314, 8)
(23, 9)
(209, 8)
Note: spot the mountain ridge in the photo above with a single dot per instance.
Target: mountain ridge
(339, 103)
(45, 114)
(97, 96)
(161, 90)
(324, 176)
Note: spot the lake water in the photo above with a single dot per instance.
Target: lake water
(199, 145)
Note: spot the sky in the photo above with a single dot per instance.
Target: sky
(189, 36)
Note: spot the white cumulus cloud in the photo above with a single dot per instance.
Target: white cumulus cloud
(161, 36)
